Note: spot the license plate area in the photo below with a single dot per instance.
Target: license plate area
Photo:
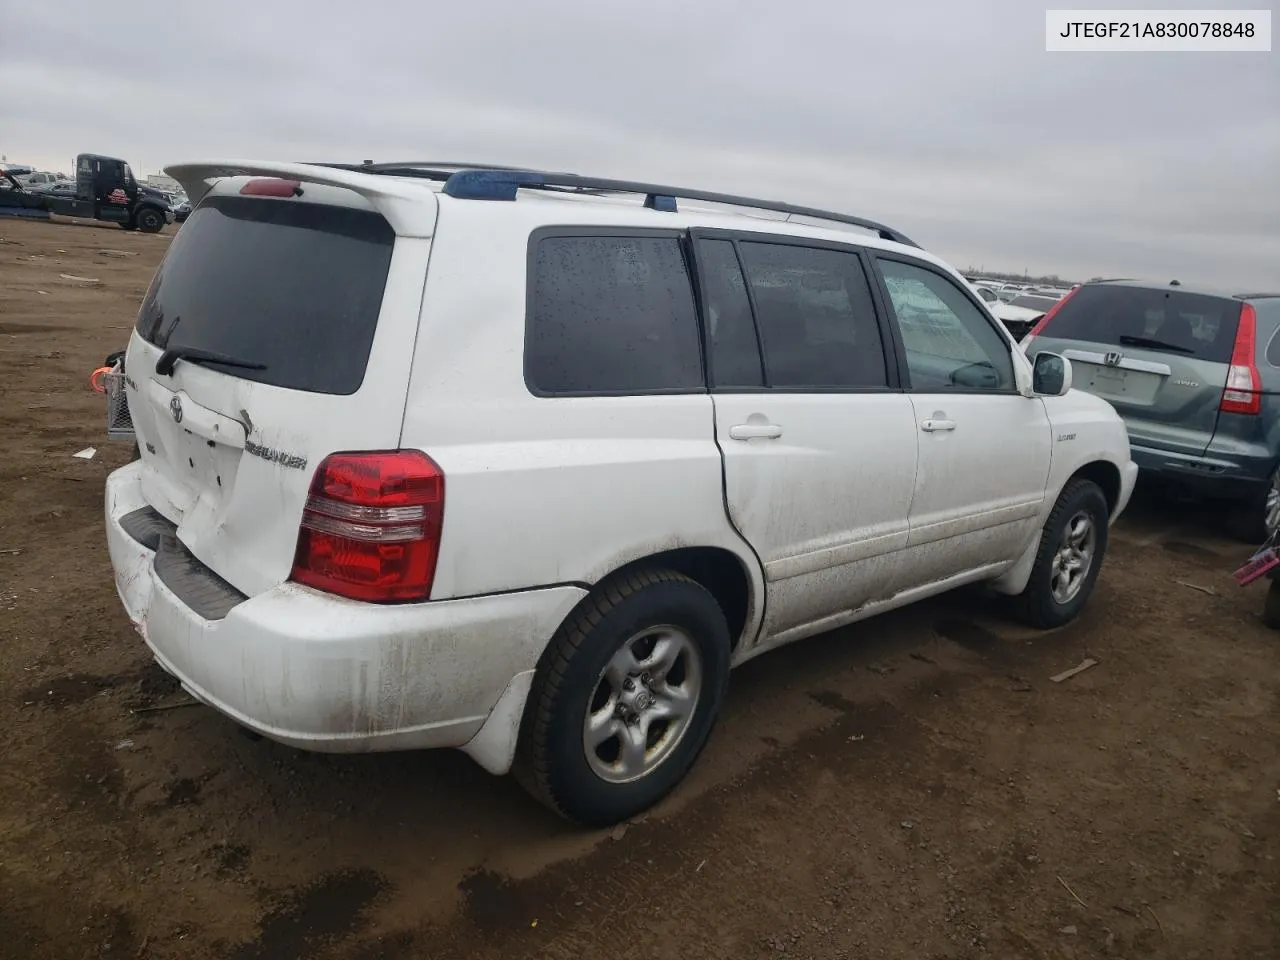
(1132, 386)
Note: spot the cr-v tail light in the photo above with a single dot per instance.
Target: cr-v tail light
(1243, 393)
(371, 527)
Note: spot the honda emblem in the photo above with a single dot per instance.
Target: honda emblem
(1113, 358)
(175, 407)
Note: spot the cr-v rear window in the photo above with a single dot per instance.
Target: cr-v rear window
(1187, 324)
(296, 287)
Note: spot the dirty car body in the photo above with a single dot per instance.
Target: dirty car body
(385, 485)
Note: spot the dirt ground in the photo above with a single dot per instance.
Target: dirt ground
(914, 786)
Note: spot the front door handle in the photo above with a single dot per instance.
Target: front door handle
(936, 426)
(755, 431)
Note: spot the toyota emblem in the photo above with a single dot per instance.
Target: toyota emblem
(175, 407)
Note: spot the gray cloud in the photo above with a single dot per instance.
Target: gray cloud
(947, 120)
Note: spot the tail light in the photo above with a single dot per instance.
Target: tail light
(1244, 384)
(1044, 321)
(371, 527)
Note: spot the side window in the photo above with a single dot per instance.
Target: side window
(816, 317)
(611, 315)
(950, 344)
(1273, 345)
(732, 347)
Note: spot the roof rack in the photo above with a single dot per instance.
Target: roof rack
(442, 168)
(468, 181)
(473, 184)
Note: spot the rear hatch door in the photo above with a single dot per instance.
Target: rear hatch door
(311, 301)
(1159, 356)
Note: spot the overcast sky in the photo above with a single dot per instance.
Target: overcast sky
(947, 120)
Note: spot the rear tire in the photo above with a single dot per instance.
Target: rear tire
(625, 697)
(1073, 544)
(1251, 520)
(1271, 607)
(149, 220)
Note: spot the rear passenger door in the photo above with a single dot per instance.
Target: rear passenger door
(984, 448)
(818, 440)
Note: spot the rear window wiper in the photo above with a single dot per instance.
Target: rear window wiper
(164, 366)
(1153, 344)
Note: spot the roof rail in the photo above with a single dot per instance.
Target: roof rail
(503, 183)
(444, 168)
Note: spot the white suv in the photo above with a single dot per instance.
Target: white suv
(523, 463)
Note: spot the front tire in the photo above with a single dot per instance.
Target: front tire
(1072, 546)
(626, 697)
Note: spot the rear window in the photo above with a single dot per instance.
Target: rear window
(1166, 321)
(294, 286)
(611, 315)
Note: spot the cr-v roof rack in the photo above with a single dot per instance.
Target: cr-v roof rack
(467, 181)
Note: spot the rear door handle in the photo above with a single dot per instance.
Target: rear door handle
(936, 426)
(755, 431)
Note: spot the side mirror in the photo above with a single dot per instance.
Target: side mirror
(1051, 374)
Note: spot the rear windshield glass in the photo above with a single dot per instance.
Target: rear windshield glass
(1166, 321)
(296, 287)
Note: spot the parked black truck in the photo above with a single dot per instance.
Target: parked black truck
(105, 189)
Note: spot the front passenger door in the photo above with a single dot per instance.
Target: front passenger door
(984, 448)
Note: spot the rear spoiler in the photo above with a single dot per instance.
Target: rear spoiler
(410, 207)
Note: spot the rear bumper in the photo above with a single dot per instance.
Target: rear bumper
(332, 675)
(1209, 475)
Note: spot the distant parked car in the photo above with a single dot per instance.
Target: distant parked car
(43, 178)
(54, 188)
(1195, 373)
(1017, 320)
(1039, 302)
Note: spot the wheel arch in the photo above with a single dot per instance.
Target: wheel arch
(1100, 471)
(1106, 475)
(723, 574)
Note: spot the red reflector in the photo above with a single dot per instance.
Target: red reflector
(1243, 392)
(1044, 321)
(272, 187)
(371, 527)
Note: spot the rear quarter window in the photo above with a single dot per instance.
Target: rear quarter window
(294, 286)
(1268, 312)
(611, 315)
